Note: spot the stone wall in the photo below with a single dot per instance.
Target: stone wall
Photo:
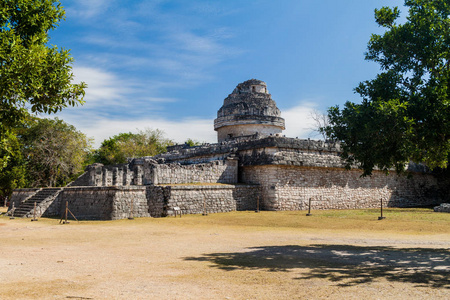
(103, 203)
(291, 187)
(193, 199)
(113, 175)
(19, 195)
(230, 132)
(157, 197)
(208, 152)
(220, 171)
(82, 180)
(113, 203)
(147, 171)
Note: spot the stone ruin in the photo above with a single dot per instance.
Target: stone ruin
(252, 166)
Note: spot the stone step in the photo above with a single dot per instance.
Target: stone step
(27, 207)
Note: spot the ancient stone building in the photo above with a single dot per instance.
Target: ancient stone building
(249, 110)
(252, 166)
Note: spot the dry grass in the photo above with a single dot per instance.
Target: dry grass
(238, 255)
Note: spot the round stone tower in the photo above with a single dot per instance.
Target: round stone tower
(248, 110)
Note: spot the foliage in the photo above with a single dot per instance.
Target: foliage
(191, 143)
(405, 111)
(34, 76)
(119, 148)
(54, 151)
(13, 174)
(320, 120)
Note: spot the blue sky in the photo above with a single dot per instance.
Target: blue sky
(169, 64)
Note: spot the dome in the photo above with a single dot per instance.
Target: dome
(248, 110)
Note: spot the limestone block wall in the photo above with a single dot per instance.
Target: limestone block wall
(112, 203)
(130, 200)
(220, 171)
(104, 203)
(19, 195)
(82, 180)
(218, 198)
(291, 187)
(87, 203)
(114, 175)
(157, 200)
(229, 132)
(247, 196)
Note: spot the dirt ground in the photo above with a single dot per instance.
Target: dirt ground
(219, 257)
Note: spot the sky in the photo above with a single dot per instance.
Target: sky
(169, 65)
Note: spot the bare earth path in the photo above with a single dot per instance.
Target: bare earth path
(239, 255)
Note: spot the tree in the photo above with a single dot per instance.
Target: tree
(54, 151)
(34, 76)
(119, 148)
(405, 110)
(13, 174)
(320, 120)
(191, 143)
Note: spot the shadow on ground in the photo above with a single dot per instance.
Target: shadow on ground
(345, 265)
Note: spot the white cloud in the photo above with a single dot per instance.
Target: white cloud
(101, 84)
(89, 8)
(101, 128)
(108, 89)
(299, 122)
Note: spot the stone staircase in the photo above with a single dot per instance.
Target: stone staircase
(43, 198)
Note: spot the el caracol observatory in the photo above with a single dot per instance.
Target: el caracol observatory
(248, 110)
(252, 167)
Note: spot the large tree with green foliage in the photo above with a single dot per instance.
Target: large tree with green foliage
(55, 152)
(13, 173)
(34, 76)
(118, 148)
(405, 110)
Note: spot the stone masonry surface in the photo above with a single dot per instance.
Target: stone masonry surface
(291, 187)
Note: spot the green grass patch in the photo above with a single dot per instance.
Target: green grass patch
(409, 221)
(398, 220)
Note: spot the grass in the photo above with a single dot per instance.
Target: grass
(410, 221)
(398, 220)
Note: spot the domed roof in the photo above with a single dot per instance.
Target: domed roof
(249, 103)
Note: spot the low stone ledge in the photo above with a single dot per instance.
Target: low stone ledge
(105, 188)
(27, 190)
(444, 207)
(207, 187)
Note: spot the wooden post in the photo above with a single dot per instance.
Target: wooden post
(205, 213)
(64, 215)
(257, 204)
(34, 213)
(131, 217)
(131, 211)
(381, 207)
(309, 208)
(12, 211)
(66, 212)
(177, 210)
